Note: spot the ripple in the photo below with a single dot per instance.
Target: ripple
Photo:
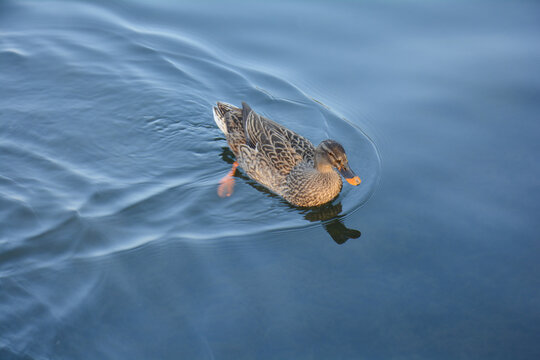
(133, 155)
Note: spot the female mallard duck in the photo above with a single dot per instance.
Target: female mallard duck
(280, 159)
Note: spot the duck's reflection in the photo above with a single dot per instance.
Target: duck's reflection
(329, 215)
(331, 220)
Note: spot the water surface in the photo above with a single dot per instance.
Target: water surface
(114, 244)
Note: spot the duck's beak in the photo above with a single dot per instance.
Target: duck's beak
(349, 175)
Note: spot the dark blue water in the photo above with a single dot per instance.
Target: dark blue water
(115, 245)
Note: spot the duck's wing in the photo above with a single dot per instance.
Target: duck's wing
(272, 141)
(283, 147)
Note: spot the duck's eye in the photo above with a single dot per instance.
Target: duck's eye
(337, 162)
(333, 158)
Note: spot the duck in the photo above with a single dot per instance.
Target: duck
(281, 160)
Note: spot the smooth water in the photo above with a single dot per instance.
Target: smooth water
(115, 245)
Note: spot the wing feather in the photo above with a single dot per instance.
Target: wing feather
(282, 147)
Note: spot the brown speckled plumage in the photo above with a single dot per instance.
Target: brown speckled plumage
(278, 158)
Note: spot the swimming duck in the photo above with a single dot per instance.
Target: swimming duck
(280, 159)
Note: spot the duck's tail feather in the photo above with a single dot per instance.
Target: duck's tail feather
(219, 115)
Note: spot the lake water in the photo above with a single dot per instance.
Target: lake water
(115, 245)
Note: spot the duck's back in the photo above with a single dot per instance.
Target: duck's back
(265, 147)
(261, 130)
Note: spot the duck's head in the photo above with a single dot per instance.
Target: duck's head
(330, 155)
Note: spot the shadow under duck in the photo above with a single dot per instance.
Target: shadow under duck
(280, 159)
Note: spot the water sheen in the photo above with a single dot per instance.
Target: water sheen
(114, 243)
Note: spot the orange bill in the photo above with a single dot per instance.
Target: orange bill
(354, 180)
(349, 175)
